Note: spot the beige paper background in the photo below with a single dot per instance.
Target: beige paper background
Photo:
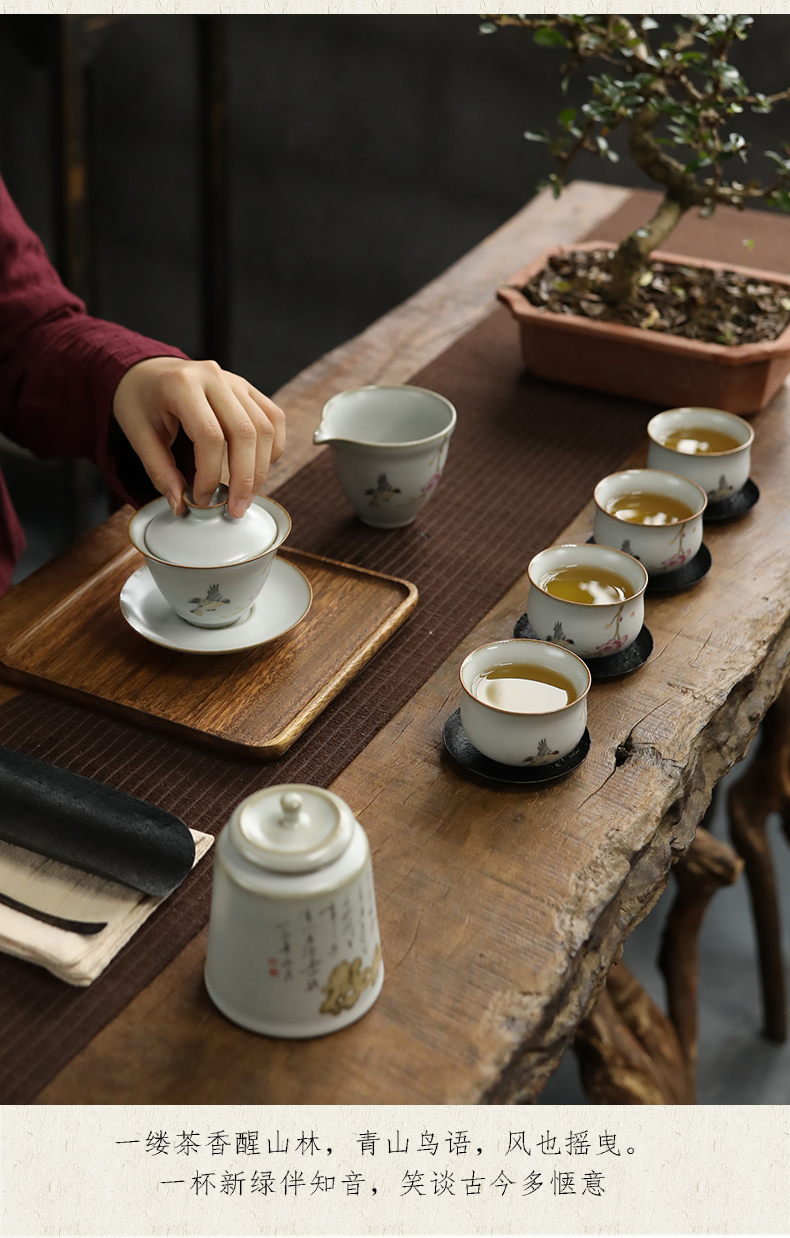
(693, 1171)
(374, 7)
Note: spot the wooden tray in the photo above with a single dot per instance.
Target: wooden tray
(254, 704)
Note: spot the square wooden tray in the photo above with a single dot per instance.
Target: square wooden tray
(253, 704)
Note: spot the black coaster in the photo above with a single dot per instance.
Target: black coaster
(684, 577)
(461, 748)
(734, 506)
(611, 667)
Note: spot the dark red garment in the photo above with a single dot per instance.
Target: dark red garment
(59, 369)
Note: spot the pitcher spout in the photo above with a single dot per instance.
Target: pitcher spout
(322, 435)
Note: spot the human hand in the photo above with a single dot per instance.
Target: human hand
(220, 413)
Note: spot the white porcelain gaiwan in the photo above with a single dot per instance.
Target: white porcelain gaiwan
(659, 547)
(294, 947)
(524, 738)
(389, 446)
(589, 630)
(720, 473)
(210, 566)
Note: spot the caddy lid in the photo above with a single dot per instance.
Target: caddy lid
(294, 828)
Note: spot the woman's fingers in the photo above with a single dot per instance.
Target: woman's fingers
(221, 413)
(158, 462)
(274, 414)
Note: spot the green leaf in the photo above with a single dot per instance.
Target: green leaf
(567, 116)
(549, 36)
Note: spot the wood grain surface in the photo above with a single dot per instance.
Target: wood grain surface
(254, 703)
(501, 911)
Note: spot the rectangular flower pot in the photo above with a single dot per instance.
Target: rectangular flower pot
(648, 365)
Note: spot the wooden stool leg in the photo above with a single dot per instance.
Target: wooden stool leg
(628, 1050)
(765, 788)
(707, 865)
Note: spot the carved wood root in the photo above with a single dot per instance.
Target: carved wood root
(708, 864)
(763, 789)
(628, 1050)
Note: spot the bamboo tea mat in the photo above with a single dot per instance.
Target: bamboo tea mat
(525, 455)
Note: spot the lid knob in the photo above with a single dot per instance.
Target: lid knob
(291, 804)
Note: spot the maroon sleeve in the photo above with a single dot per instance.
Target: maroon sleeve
(59, 367)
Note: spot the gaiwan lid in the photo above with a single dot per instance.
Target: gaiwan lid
(209, 536)
(293, 829)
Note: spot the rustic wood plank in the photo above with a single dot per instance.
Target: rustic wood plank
(501, 911)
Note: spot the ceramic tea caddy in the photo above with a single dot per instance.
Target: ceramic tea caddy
(389, 446)
(294, 947)
(210, 566)
(524, 739)
(591, 631)
(661, 548)
(720, 473)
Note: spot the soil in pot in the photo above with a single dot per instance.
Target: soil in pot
(713, 306)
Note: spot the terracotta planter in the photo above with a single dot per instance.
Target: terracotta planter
(665, 369)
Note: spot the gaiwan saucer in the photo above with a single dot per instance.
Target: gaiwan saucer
(284, 600)
(461, 748)
(624, 662)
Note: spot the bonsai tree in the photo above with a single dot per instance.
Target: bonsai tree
(679, 100)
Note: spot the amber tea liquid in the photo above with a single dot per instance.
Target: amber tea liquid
(639, 507)
(699, 441)
(595, 586)
(524, 688)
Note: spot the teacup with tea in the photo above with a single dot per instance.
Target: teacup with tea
(589, 599)
(524, 701)
(651, 514)
(711, 447)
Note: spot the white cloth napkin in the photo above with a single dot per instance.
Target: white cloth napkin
(71, 956)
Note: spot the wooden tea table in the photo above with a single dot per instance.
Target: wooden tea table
(501, 912)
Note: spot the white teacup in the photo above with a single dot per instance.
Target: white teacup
(389, 447)
(524, 738)
(720, 473)
(219, 594)
(591, 630)
(660, 547)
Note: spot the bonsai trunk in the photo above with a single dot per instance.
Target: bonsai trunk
(632, 254)
(681, 192)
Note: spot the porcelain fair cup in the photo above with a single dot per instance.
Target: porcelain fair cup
(591, 630)
(209, 565)
(660, 547)
(720, 473)
(524, 738)
(293, 946)
(389, 447)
